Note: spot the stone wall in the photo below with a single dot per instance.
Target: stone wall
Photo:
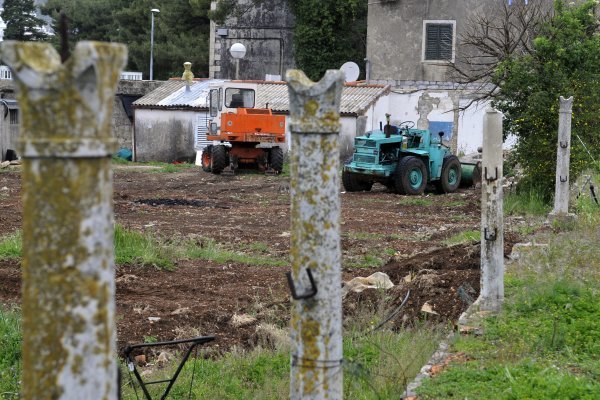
(266, 31)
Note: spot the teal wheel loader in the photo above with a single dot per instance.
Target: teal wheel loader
(406, 160)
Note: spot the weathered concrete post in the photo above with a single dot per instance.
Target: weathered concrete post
(316, 320)
(563, 156)
(492, 221)
(68, 254)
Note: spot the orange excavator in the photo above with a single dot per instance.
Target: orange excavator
(239, 133)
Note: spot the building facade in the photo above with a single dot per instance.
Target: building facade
(411, 45)
(265, 30)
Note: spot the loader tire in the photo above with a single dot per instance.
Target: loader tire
(451, 173)
(276, 159)
(411, 176)
(207, 158)
(353, 184)
(220, 160)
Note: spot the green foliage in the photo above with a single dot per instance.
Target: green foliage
(21, 22)
(86, 19)
(546, 341)
(10, 246)
(181, 31)
(329, 33)
(10, 352)
(526, 201)
(564, 63)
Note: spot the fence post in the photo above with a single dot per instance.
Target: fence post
(563, 156)
(68, 254)
(492, 221)
(315, 280)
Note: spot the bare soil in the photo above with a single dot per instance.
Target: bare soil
(250, 213)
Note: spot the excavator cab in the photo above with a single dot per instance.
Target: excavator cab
(241, 134)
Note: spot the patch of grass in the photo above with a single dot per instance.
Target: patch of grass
(415, 201)
(10, 352)
(133, 247)
(369, 260)
(376, 366)
(462, 237)
(170, 168)
(373, 236)
(456, 203)
(529, 202)
(546, 341)
(209, 250)
(11, 246)
(150, 339)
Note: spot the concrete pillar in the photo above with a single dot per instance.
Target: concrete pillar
(563, 156)
(68, 252)
(316, 320)
(492, 229)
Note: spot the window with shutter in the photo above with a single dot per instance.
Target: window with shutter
(438, 41)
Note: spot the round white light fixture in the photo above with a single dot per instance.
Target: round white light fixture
(155, 10)
(237, 50)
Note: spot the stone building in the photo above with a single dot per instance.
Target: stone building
(266, 31)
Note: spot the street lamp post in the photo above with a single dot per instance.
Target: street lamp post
(237, 51)
(153, 11)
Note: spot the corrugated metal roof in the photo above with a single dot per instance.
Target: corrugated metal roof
(355, 99)
(174, 94)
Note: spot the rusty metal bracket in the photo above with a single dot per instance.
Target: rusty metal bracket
(306, 295)
(563, 179)
(488, 178)
(564, 145)
(490, 236)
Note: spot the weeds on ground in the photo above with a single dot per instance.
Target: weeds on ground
(526, 203)
(10, 246)
(546, 342)
(10, 352)
(138, 248)
(462, 237)
(161, 167)
(377, 364)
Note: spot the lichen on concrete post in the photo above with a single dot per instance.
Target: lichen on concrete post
(316, 322)
(563, 156)
(492, 221)
(69, 336)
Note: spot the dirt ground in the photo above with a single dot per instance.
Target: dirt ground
(405, 236)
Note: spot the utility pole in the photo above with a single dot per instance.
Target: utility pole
(563, 159)
(68, 252)
(315, 280)
(492, 220)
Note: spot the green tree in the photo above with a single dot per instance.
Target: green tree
(329, 33)
(21, 22)
(181, 33)
(87, 19)
(565, 62)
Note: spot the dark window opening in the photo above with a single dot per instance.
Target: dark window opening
(438, 41)
(14, 117)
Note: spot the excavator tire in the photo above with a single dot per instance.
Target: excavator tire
(220, 159)
(276, 159)
(207, 158)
